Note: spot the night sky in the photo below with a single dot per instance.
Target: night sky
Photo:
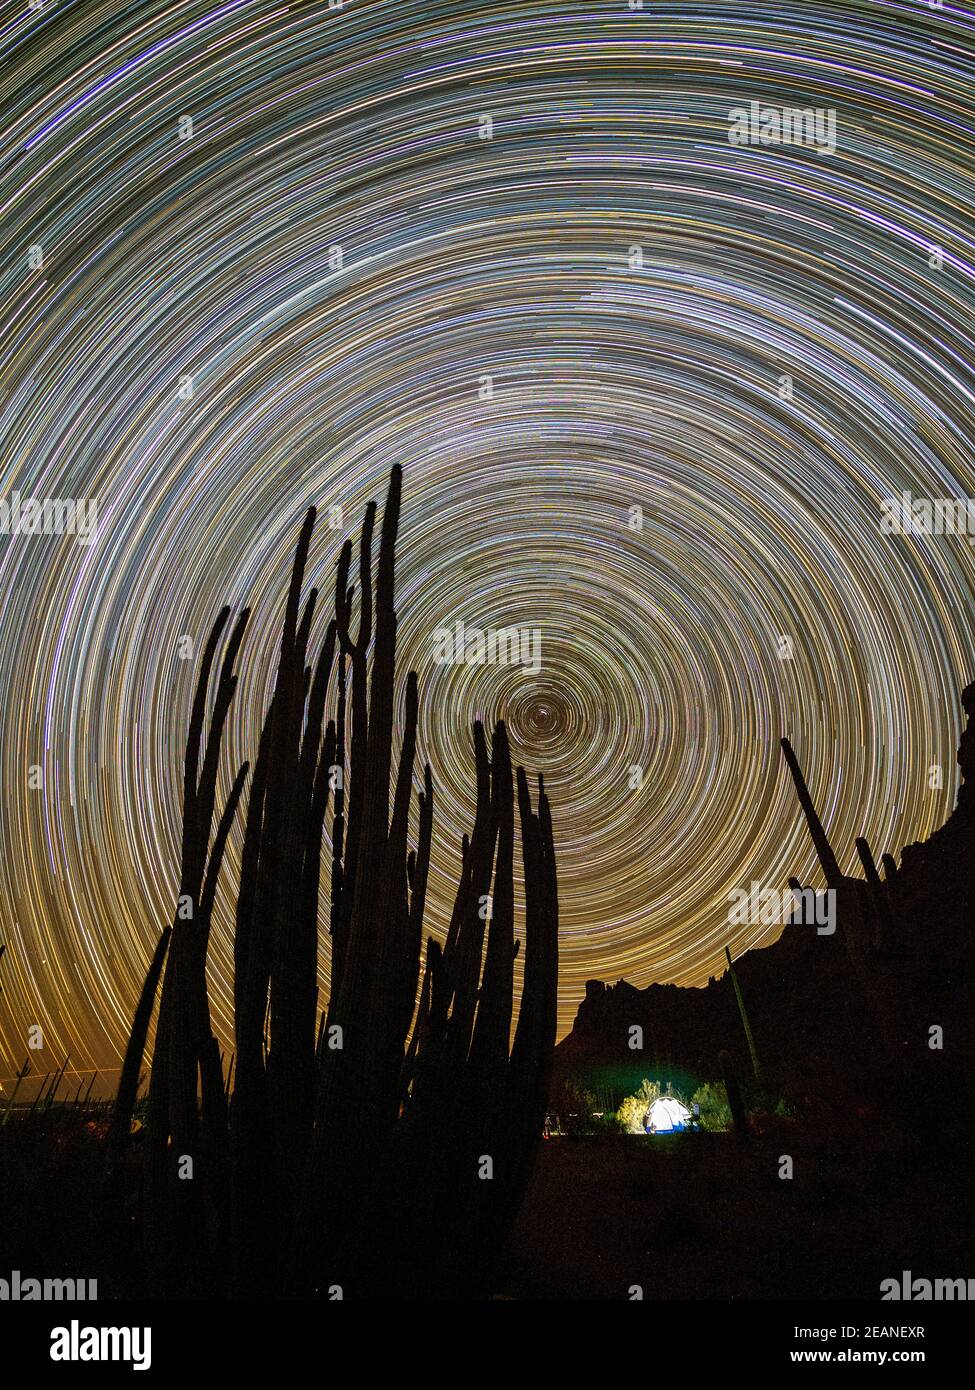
(585, 304)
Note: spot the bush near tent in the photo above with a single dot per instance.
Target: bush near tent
(632, 1112)
(715, 1112)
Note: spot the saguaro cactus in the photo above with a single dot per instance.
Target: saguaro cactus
(824, 849)
(884, 930)
(735, 1102)
(746, 1025)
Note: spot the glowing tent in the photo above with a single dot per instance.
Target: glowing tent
(667, 1116)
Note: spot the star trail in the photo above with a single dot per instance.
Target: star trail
(649, 388)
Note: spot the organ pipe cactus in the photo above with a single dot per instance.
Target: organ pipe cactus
(357, 1128)
(128, 1086)
(182, 1058)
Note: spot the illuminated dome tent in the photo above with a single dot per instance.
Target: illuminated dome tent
(667, 1116)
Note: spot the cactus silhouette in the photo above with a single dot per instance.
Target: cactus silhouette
(352, 1145)
(873, 928)
(743, 1013)
(735, 1102)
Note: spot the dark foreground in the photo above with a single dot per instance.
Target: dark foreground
(691, 1217)
(682, 1217)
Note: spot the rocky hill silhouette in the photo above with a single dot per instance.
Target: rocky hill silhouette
(838, 1020)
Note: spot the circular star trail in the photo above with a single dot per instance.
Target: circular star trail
(649, 389)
